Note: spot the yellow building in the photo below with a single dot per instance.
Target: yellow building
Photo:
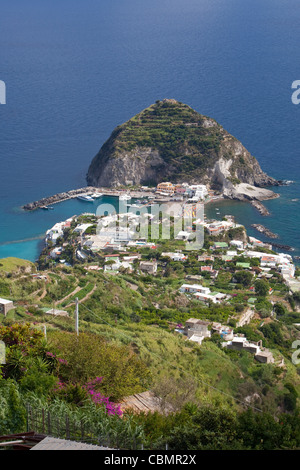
(166, 188)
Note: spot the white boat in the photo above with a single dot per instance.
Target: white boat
(86, 198)
(97, 195)
(125, 197)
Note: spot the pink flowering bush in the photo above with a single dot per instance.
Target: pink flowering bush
(99, 399)
(76, 393)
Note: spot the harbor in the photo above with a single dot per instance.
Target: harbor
(87, 194)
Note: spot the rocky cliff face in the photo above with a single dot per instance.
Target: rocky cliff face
(170, 141)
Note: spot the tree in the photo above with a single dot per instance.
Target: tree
(260, 431)
(89, 356)
(280, 309)
(16, 415)
(207, 428)
(262, 287)
(244, 278)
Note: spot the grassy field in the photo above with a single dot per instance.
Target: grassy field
(10, 265)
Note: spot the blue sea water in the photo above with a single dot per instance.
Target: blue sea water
(76, 70)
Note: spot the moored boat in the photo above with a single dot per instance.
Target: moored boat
(86, 198)
(125, 197)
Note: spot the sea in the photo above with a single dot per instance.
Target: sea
(75, 70)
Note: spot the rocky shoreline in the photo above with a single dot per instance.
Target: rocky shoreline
(90, 190)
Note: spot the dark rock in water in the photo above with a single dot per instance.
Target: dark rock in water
(283, 247)
(285, 182)
(260, 228)
(260, 207)
(169, 141)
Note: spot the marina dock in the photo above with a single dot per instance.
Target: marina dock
(87, 191)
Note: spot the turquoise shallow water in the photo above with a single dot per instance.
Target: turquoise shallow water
(76, 70)
(282, 210)
(283, 219)
(33, 225)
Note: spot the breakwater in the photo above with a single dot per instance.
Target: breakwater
(56, 198)
(260, 228)
(261, 208)
(86, 191)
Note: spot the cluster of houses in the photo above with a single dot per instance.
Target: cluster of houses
(118, 232)
(193, 193)
(113, 264)
(217, 227)
(197, 330)
(281, 262)
(240, 343)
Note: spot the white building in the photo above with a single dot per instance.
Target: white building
(175, 256)
(194, 288)
(82, 228)
(184, 235)
(258, 243)
(6, 306)
(56, 252)
(237, 244)
(117, 265)
(57, 231)
(214, 297)
(199, 191)
(54, 233)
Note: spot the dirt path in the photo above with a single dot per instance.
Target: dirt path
(69, 295)
(246, 317)
(84, 298)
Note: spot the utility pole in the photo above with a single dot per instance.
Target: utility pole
(76, 316)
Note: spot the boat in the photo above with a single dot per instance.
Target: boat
(86, 198)
(47, 208)
(97, 195)
(125, 197)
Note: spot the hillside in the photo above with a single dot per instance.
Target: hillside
(171, 141)
(128, 338)
(11, 265)
(133, 339)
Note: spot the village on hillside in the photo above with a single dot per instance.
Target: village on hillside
(228, 306)
(231, 265)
